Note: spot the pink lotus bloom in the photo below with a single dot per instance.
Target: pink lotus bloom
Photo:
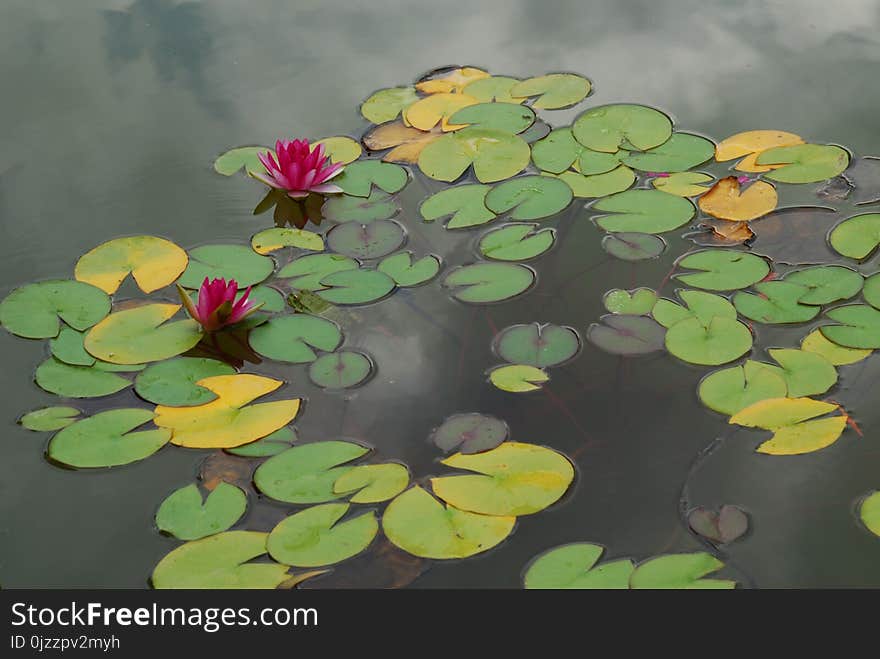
(299, 169)
(216, 306)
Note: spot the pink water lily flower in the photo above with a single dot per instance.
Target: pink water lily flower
(299, 169)
(217, 306)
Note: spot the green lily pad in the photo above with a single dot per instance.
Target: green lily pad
(638, 302)
(700, 305)
(826, 283)
(49, 418)
(480, 283)
(871, 290)
(518, 378)
(869, 512)
(233, 160)
(387, 104)
(401, 268)
(680, 571)
(643, 211)
(626, 335)
(359, 178)
(423, 526)
(609, 127)
(184, 515)
(529, 197)
(220, 561)
(306, 474)
(173, 382)
(107, 439)
(470, 433)
(379, 205)
(494, 154)
(858, 327)
(574, 567)
(356, 286)
(537, 345)
(340, 370)
(805, 373)
(856, 237)
(629, 246)
(598, 162)
(677, 154)
(68, 347)
(598, 185)
(278, 442)
(71, 381)
(804, 163)
(306, 272)
(464, 203)
(720, 341)
(816, 342)
(373, 483)
(683, 184)
(315, 536)
(554, 91)
(559, 151)
(366, 241)
(270, 240)
(33, 310)
(730, 390)
(493, 88)
(516, 242)
(776, 302)
(507, 117)
(271, 298)
(228, 262)
(295, 338)
(722, 269)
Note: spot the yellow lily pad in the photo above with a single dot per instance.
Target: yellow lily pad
(341, 149)
(427, 112)
(153, 262)
(451, 81)
(726, 201)
(794, 424)
(751, 144)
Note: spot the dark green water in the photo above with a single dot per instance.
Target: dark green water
(113, 113)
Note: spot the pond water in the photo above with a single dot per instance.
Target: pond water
(115, 111)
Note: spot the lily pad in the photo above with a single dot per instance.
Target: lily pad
(677, 154)
(401, 268)
(387, 104)
(233, 160)
(559, 151)
(869, 512)
(516, 242)
(315, 536)
(721, 527)
(356, 286)
(71, 381)
(682, 184)
(107, 439)
(271, 240)
(609, 127)
(339, 148)
(423, 526)
(856, 237)
(470, 433)
(379, 205)
(751, 144)
(507, 117)
(306, 272)
(816, 342)
(598, 185)
(730, 390)
(794, 423)
(49, 418)
(775, 302)
(494, 154)
(279, 441)
(464, 203)
(871, 290)
(153, 263)
(360, 178)
(33, 310)
(629, 246)
(295, 338)
(480, 283)
(825, 284)
(626, 335)
(373, 483)
(537, 345)
(271, 299)
(173, 382)
(858, 327)
(574, 567)
(228, 262)
(529, 197)
(700, 305)
(436, 109)
(680, 571)
(405, 142)
(307, 473)
(512, 479)
(554, 91)
(638, 302)
(805, 373)
(720, 341)
(727, 201)
(493, 88)
(804, 163)
(643, 211)
(722, 269)
(68, 347)
(366, 241)
(185, 515)
(518, 378)
(340, 370)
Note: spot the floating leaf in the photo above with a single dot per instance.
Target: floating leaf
(405, 142)
(295, 338)
(465, 203)
(858, 327)
(559, 151)
(751, 144)
(630, 246)
(638, 302)
(529, 197)
(679, 571)
(511, 479)
(340, 149)
(506, 117)
(71, 381)
(726, 201)
(373, 483)
(184, 515)
(682, 184)
(306, 474)
(702, 306)
(494, 154)
(856, 237)
(816, 342)
(356, 286)
(106, 440)
(516, 242)
(138, 335)
(793, 421)
(153, 263)
(315, 536)
(720, 341)
(33, 310)
(233, 160)
(220, 561)
(574, 567)
(379, 205)
(271, 299)
(776, 302)
(805, 373)
(401, 268)
(228, 421)
(825, 284)
(173, 382)
(493, 88)
(626, 335)
(49, 418)
(366, 241)
(723, 269)
(732, 389)
(359, 178)
(340, 370)
(518, 378)
(869, 512)
(804, 163)
(722, 527)
(677, 154)
(228, 262)
(598, 185)
(270, 445)
(537, 345)
(427, 112)
(479, 283)
(450, 79)
(609, 127)
(420, 524)
(306, 272)
(643, 211)
(554, 91)
(470, 433)
(387, 104)
(68, 347)
(271, 240)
